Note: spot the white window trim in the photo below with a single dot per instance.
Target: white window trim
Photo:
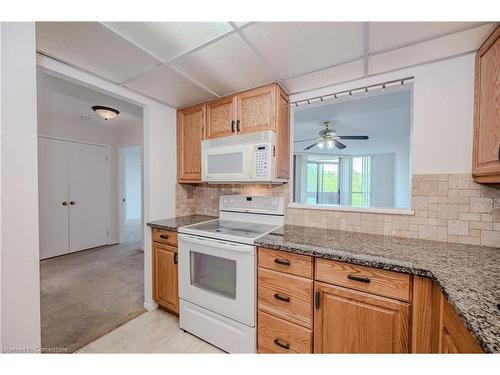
(374, 210)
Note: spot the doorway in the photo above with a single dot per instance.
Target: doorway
(131, 194)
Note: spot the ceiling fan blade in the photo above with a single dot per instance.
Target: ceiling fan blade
(311, 146)
(363, 137)
(303, 140)
(339, 145)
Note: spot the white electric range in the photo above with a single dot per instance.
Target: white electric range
(217, 271)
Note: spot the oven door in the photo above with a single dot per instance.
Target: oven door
(227, 163)
(219, 276)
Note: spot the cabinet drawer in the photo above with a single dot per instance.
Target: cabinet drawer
(295, 264)
(381, 282)
(275, 335)
(286, 296)
(165, 236)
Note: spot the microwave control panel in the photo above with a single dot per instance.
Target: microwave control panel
(262, 160)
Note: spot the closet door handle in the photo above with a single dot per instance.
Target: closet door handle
(72, 203)
(232, 126)
(64, 203)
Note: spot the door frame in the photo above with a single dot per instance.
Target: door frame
(108, 172)
(121, 191)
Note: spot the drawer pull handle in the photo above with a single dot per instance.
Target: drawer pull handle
(283, 345)
(164, 236)
(281, 298)
(283, 262)
(358, 278)
(175, 258)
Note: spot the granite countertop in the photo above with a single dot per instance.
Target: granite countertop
(467, 275)
(176, 222)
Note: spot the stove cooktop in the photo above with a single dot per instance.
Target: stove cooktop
(229, 229)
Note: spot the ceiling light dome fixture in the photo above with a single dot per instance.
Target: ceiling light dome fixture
(106, 113)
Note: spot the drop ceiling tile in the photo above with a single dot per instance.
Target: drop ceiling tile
(168, 86)
(166, 40)
(389, 35)
(325, 77)
(435, 49)
(226, 66)
(93, 47)
(295, 48)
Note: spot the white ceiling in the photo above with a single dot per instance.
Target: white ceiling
(384, 118)
(182, 63)
(65, 101)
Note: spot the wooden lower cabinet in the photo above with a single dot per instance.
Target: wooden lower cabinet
(308, 305)
(350, 321)
(165, 276)
(280, 336)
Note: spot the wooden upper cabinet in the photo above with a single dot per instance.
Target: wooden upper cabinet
(256, 109)
(259, 109)
(486, 146)
(349, 321)
(221, 118)
(190, 133)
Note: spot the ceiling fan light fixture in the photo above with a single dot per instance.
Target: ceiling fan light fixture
(329, 145)
(321, 144)
(107, 113)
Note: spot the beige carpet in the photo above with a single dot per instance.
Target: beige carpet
(85, 295)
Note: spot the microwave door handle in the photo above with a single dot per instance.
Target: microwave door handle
(220, 244)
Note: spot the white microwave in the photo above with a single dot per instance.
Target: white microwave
(244, 158)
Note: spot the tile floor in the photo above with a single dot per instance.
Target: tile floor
(150, 332)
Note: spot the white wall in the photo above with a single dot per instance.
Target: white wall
(159, 155)
(442, 112)
(19, 252)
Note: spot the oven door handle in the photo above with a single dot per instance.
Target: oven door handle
(229, 246)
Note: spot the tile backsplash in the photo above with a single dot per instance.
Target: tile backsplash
(448, 207)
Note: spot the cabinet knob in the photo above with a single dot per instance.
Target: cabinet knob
(283, 262)
(64, 203)
(283, 345)
(358, 278)
(281, 298)
(72, 203)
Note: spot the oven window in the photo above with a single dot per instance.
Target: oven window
(214, 274)
(225, 163)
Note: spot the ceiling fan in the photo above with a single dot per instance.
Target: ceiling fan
(328, 138)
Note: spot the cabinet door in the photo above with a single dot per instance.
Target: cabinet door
(486, 147)
(190, 133)
(166, 289)
(256, 110)
(349, 321)
(53, 202)
(221, 118)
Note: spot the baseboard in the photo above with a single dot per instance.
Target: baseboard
(150, 307)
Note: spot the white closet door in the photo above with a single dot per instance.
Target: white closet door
(52, 194)
(89, 209)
